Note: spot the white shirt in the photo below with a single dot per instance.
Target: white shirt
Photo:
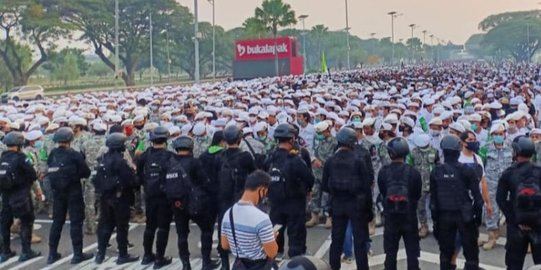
(471, 162)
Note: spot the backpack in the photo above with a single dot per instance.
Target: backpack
(178, 183)
(105, 179)
(343, 174)
(528, 198)
(396, 200)
(61, 172)
(8, 180)
(229, 178)
(153, 178)
(278, 190)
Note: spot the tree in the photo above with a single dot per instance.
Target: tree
(318, 32)
(99, 69)
(274, 14)
(57, 59)
(34, 21)
(254, 28)
(68, 69)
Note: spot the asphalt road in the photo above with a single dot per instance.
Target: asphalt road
(318, 243)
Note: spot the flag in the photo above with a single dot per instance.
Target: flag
(323, 63)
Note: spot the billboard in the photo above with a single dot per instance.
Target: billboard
(264, 49)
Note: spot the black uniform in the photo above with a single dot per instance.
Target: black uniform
(181, 215)
(345, 178)
(456, 206)
(401, 220)
(158, 211)
(17, 202)
(115, 204)
(68, 199)
(518, 240)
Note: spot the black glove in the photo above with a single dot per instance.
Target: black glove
(436, 230)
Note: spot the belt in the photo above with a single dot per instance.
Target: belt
(251, 263)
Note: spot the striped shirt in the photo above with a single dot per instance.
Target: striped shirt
(253, 228)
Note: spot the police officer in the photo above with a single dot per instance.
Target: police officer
(291, 182)
(520, 205)
(400, 187)
(114, 181)
(66, 168)
(182, 208)
(158, 213)
(345, 178)
(16, 178)
(453, 208)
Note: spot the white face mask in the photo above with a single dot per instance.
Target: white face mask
(435, 133)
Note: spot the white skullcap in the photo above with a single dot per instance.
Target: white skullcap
(247, 130)
(174, 130)
(369, 122)
(408, 121)
(474, 117)
(435, 121)
(446, 115)
(261, 126)
(99, 126)
(497, 128)
(422, 140)
(199, 129)
(321, 126)
(536, 131)
(386, 127)
(391, 119)
(457, 126)
(33, 135)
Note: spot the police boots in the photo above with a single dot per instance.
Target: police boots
(313, 221)
(423, 231)
(492, 238)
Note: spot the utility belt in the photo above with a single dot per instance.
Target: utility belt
(247, 264)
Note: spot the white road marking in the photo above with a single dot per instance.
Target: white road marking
(8, 262)
(320, 253)
(26, 264)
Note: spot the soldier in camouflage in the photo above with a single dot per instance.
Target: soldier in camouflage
(498, 158)
(324, 147)
(424, 158)
(91, 149)
(372, 142)
(250, 144)
(261, 130)
(48, 145)
(33, 144)
(201, 139)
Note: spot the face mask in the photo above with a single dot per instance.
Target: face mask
(473, 146)
(128, 131)
(512, 128)
(320, 137)
(474, 126)
(38, 144)
(138, 127)
(435, 133)
(401, 128)
(163, 123)
(253, 119)
(262, 138)
(356, 120)
(499, 139)
(380, 113)
(317, 120)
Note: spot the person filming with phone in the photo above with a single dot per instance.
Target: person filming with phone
(247, 231)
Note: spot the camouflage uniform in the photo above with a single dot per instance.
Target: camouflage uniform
(372, 145)
(91, 149)
(269, 144)
(201, 144)
(497, 161)
(424, 160)
(48, 146)
(136, 146)
(537, 156)
(32, 156)
(257, 146)
(323, 149)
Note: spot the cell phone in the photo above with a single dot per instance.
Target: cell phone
(277, 227)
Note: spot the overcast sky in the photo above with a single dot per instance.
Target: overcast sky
(454, 20)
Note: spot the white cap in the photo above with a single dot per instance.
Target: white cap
(497, 128)
(199, 129)
(321, 126)
(391, 119)
(457, 126)
(99, 126)
(369, 122)
(408, 121)
(422, 140)
(261, 126)
(474, 117)
(435, 121)
(536, 131)
(386, 127)
(33, 135)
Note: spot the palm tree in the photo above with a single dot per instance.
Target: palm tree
(273, 14)
(319, 31)
(254, 27)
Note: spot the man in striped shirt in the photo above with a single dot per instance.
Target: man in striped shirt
(253, 240)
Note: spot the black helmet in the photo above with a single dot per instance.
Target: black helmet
(63, 134)
(523, 146)
(284, 131)
(451, 143)
(184, 142)
(232, 134)
(398, 148)
(159, 133)
(305, 263)
(116, 141)
(14, 138)
(347, 136)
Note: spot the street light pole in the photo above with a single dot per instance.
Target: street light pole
(412, 26)
(196, 41)
(303, 18)
(151, 52)
(117, 59)
(347, 37)
(213, 38)
(432, 46)
(393, 15)
(168, 57)
(372, 35)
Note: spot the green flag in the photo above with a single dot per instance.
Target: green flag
(323, 63)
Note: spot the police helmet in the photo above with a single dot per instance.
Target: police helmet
(451, 143)
(347, 136)
(183, 142)
(14, 138)
(398, 148)
(232, 134)
(284, 131)
(116, 141)
(159, 133)
(63, 134)
(523, 146)
(305, 263)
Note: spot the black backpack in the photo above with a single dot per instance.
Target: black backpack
(396, 200)
(178, 183)
(106, 180)
(278, 190)
(344, 176)
(229, 178)
(528, 198)
(8, 179)
(153, 177)
(62, 173)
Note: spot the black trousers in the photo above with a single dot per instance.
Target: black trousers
(26, 216)
(517, 247)
(291, 213)
(342, 211)
(114, 212)
(449, 224)
(159, 216)
(222, 208)
(397, 227)
(182, 224)
(70, 200)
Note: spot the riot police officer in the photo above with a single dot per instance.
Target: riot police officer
(114, 181)
(291, 182)
(66, 168)
(16, 178)
(158, 213)
(518, 198)
(456, 205)
(345, 178)
(400, 186)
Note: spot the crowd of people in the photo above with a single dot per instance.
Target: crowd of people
(454, 145)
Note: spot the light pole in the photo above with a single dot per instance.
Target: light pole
(372, 35)
(168, 55)
(412, 26)
(117, 59)
(302, 18)
(393, 15)
(432, 46)
(213, 38)
(196, 41)
(347, 37)
(151, 52)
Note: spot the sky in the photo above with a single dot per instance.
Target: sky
(454, 20)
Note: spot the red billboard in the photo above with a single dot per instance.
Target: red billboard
(264, 49)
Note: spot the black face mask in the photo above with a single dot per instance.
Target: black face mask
(138, 127)
(401, 128)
